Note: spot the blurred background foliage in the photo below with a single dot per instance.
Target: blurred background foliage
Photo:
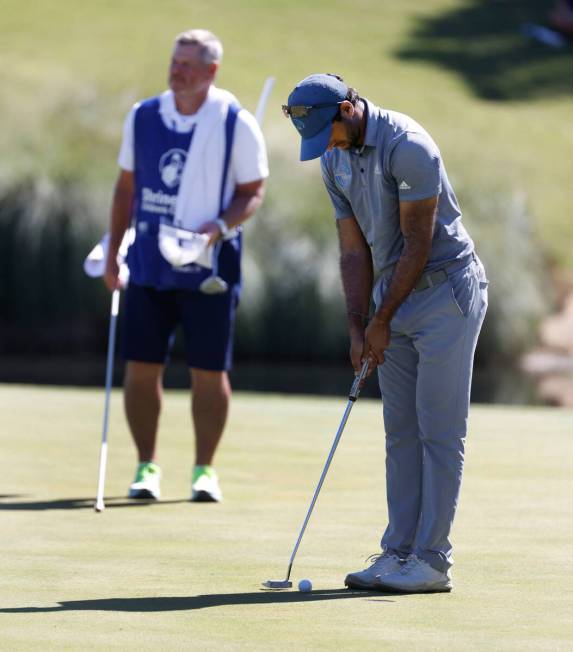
(498, 105)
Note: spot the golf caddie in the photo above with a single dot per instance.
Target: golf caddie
(192, 169)
(403, 245)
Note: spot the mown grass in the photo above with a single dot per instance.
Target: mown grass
(180, 576)
(498, 105)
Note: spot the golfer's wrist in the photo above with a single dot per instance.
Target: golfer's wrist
(357, 322)
(222, 226)
(381, 318)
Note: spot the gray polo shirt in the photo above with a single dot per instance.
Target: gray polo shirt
(399, 161)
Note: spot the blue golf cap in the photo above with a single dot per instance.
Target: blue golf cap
(312, 106)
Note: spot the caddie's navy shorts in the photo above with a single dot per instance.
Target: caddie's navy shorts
(151, 316)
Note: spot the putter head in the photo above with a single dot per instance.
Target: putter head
(277, 584)
(213, 285)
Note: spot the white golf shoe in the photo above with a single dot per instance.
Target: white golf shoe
(205, 485)
(382, 565)
(146, 485)
(415, 576)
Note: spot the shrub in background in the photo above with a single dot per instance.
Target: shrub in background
(520, 292)
(47, 304)
(292, 307)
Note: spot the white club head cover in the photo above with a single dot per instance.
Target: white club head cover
(214, 285)
(94, 264)
(181, 247)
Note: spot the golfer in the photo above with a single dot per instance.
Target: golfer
(190, 157)
(402, 243)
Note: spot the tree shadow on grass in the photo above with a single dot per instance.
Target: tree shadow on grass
(483, 42)
(190, 603)
(79, 503)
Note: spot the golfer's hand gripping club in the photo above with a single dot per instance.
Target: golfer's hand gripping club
(358, 381)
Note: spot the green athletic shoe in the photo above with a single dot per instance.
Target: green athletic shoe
(205, 485)
(146, 483)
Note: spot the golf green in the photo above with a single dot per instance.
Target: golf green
(181, 576)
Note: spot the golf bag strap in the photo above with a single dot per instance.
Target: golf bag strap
(230, 122)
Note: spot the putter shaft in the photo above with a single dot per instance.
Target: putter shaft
(354, 392)
(99, 504)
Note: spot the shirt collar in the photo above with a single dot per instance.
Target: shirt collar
(371, 135)
(171, 117)
(372, 124)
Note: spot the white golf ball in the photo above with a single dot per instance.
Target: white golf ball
(304, 586)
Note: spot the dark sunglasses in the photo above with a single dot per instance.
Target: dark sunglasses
(301, 111)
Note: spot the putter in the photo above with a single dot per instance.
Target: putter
(99, 504)
(263, 99)
(214, 284)
(354, 393)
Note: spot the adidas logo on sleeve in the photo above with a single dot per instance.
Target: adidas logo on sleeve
(404, 185)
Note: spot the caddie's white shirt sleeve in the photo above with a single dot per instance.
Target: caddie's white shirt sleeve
(249, 157)
(126, 158)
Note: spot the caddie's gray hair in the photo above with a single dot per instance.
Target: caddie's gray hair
(211, 48)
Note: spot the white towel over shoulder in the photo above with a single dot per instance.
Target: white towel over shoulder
(200, 186)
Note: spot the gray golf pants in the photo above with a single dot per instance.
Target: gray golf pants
(425, 386)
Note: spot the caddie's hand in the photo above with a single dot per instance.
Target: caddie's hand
(212, 230)
(111, 274)
(376, 340)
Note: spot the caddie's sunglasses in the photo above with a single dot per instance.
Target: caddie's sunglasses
(301, 111)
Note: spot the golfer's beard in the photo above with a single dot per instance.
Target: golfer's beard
(355, 138)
